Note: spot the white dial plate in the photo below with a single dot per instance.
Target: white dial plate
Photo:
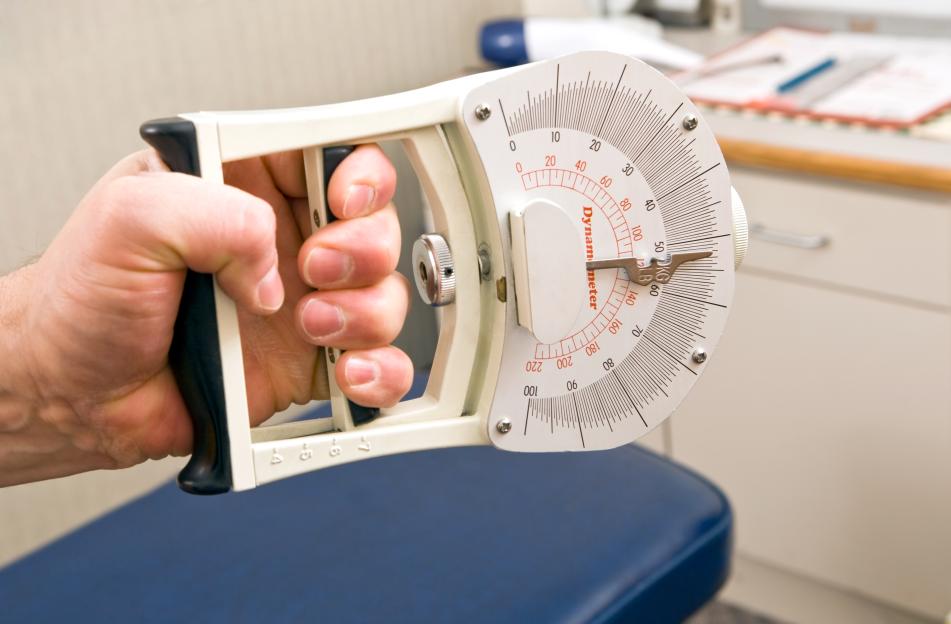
(612, 150)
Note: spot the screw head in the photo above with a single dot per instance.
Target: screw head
(699, 355)
(483, 112)
(485, 262)
(690, 122)
(503, 426)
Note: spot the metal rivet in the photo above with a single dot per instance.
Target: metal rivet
(483, 112)
(690, 121)
(503, 426)
(699, 355)
(485, 262)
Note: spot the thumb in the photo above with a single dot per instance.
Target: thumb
(155, 220)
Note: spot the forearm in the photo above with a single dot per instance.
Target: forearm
(36, 440)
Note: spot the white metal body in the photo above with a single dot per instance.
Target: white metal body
(476, 171)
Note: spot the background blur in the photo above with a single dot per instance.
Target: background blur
(826, 416)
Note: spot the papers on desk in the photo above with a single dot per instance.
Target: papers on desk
(872, 79)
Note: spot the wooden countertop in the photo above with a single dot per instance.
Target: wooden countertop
(754, 154)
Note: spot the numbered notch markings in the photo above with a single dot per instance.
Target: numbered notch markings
(633, 122)
(656, 145)
(605, 403)
(592, 190)
(590, 332)
(610, 208)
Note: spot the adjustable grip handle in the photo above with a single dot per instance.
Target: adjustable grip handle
(195, 355)
(332, 157)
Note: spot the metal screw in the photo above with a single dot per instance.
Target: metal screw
(483, 112)
(503, 426)
(699, 355)
(690, 121)
(485, 262)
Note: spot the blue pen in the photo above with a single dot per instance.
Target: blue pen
(802, 77)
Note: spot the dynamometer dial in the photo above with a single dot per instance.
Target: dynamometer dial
(617, 206)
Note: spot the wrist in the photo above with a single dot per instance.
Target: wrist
(40, 436)
(17, 358)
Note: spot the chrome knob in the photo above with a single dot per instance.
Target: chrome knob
(433, 270)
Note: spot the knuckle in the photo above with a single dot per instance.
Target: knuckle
(124, 203)
(384, 328)
(391, 239)
(402, 283)
(400, 377)
(406, 367)
(257, 224)
(121, 194)
(384, 251)
(386, 321)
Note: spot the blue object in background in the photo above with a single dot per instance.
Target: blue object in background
(803, 76)
(453, 535)
(503, 42)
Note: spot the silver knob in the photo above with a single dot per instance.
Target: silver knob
(433, 270)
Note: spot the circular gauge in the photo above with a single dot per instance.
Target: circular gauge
(617, 204)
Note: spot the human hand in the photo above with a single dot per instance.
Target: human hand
(101, 302)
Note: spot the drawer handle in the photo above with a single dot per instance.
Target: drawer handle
(790, 239)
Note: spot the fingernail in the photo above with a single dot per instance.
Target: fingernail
(359, 200)
(326, 266)
(360, 371)
(320, 319)
(271, 291)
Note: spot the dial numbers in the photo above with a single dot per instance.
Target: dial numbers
(600, 135)
(608, 225)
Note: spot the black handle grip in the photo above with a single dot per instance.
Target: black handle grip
(195, 355)
(333, 156)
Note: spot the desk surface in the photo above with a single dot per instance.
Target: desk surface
(845, 151)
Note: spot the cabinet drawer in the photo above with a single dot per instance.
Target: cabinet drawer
(893, 241)
(826, 417)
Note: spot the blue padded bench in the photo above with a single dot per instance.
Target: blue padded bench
(454, 535)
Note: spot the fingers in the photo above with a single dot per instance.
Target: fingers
(169, 221)
(352, 254)
(355, 319)
(363, 183)
(363, 247)
(375, 377)
(287, 171)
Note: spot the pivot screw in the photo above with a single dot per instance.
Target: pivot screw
(690, 122)
(485, 262)
(503, 426)
(699, 355)
(483, 112)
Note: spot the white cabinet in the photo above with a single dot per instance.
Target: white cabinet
(826, 412)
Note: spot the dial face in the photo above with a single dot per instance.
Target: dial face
(611, 142)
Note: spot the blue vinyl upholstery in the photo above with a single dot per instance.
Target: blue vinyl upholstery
(454, 535)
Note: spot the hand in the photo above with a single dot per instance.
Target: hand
(95, 313)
